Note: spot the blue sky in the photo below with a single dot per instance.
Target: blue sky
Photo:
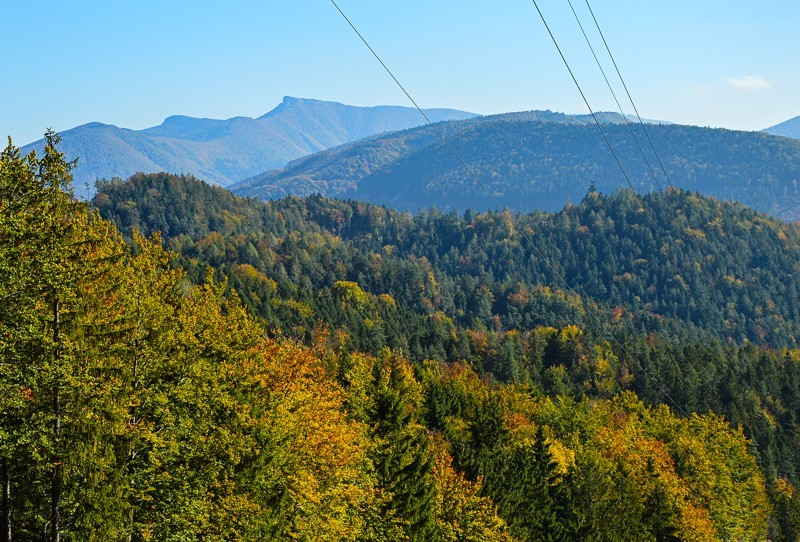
(706, 62)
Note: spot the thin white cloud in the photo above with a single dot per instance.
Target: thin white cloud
(749, 83)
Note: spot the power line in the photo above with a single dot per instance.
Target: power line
(713, 278)
(630, 98)
(508, 215)
(619, 163)
(622, 112)
(436, 129)
(614, 94)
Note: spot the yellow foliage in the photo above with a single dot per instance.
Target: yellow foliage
(695, 233)
(570, 333)
(562, 455)
(350, 292)
(463, 514)
(323, 454)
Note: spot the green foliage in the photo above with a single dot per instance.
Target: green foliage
(475, 270)
(144, 402)
(450, 287)
(604, 470)
(137, 406)
(401, 455)
(524, 481)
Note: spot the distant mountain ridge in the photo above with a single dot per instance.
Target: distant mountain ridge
(542, 160)
(326, 172)
(227, 151)
(789, 128)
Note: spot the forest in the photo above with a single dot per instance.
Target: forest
(531, 160)
(177, 364)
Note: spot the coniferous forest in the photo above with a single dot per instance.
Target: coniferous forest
(178, 364)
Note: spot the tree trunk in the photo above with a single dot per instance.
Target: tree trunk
(55, 489)
(6, 528)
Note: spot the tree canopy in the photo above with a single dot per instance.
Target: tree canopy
(146, 396)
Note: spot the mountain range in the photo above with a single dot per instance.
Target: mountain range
(543, 160)
(525, 160)
(227, 151)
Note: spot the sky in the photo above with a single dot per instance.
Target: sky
(716, 63)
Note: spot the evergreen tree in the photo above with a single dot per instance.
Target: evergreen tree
(526, 487)
(401, 454)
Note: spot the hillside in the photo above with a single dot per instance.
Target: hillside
(227, 151)
(141, 400)
(337, 171)
(789, 128)
(466, 287)
(528, 164)
(740, 264)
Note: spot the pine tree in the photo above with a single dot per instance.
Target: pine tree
(37, 227)
(660, 514)
(526, 488)
(401, 455)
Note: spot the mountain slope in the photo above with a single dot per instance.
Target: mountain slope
(789, 128)
(337, 171)
(740, 263)
(469, 287)
(529, 164)
(226, 151)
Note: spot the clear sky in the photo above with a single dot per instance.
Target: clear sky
(706, 62)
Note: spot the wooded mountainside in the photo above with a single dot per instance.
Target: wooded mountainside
(452, 287)
(530, 161)
(681, 264)
(352, 373)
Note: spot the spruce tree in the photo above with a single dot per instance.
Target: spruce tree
(402, 459)
(527, 490)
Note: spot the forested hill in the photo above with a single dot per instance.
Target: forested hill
(450, 287)
(336, 171)
(537, 163)
(739, 265)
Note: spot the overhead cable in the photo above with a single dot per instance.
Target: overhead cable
(619, 163)
(630, 98)
(614, 94)
(507, 214)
